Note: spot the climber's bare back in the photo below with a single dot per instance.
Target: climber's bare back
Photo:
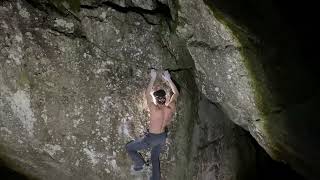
(160, 112)
(160, 117)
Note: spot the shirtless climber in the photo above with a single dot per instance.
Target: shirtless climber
(161, 112)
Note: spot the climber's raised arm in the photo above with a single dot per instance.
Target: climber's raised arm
(148, 92)
(166, 77)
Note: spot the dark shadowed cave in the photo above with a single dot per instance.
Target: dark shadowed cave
(287, 45)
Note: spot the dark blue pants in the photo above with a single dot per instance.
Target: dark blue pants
(150, 140)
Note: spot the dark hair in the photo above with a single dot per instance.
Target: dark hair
(160, 96)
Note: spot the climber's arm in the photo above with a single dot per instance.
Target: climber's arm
(174, 97)
(149, 88)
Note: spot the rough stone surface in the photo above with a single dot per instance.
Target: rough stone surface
(72, 88)
(222, 146)
(221, 71)
(72, 92)
(67, 108)
(143, 4)
(220, 68)
(231, 71)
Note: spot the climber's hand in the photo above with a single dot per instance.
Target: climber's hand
(166, 76)
(153, 73)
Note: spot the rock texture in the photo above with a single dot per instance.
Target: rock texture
(222, 146)
(72, 91)
(72, 80)
(272, 91)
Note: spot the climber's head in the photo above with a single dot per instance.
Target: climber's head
(160, 96)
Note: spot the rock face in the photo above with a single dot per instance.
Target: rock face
(223, 147)
(262, 80)
(67, 108)
(72, 80)
(72, 94)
